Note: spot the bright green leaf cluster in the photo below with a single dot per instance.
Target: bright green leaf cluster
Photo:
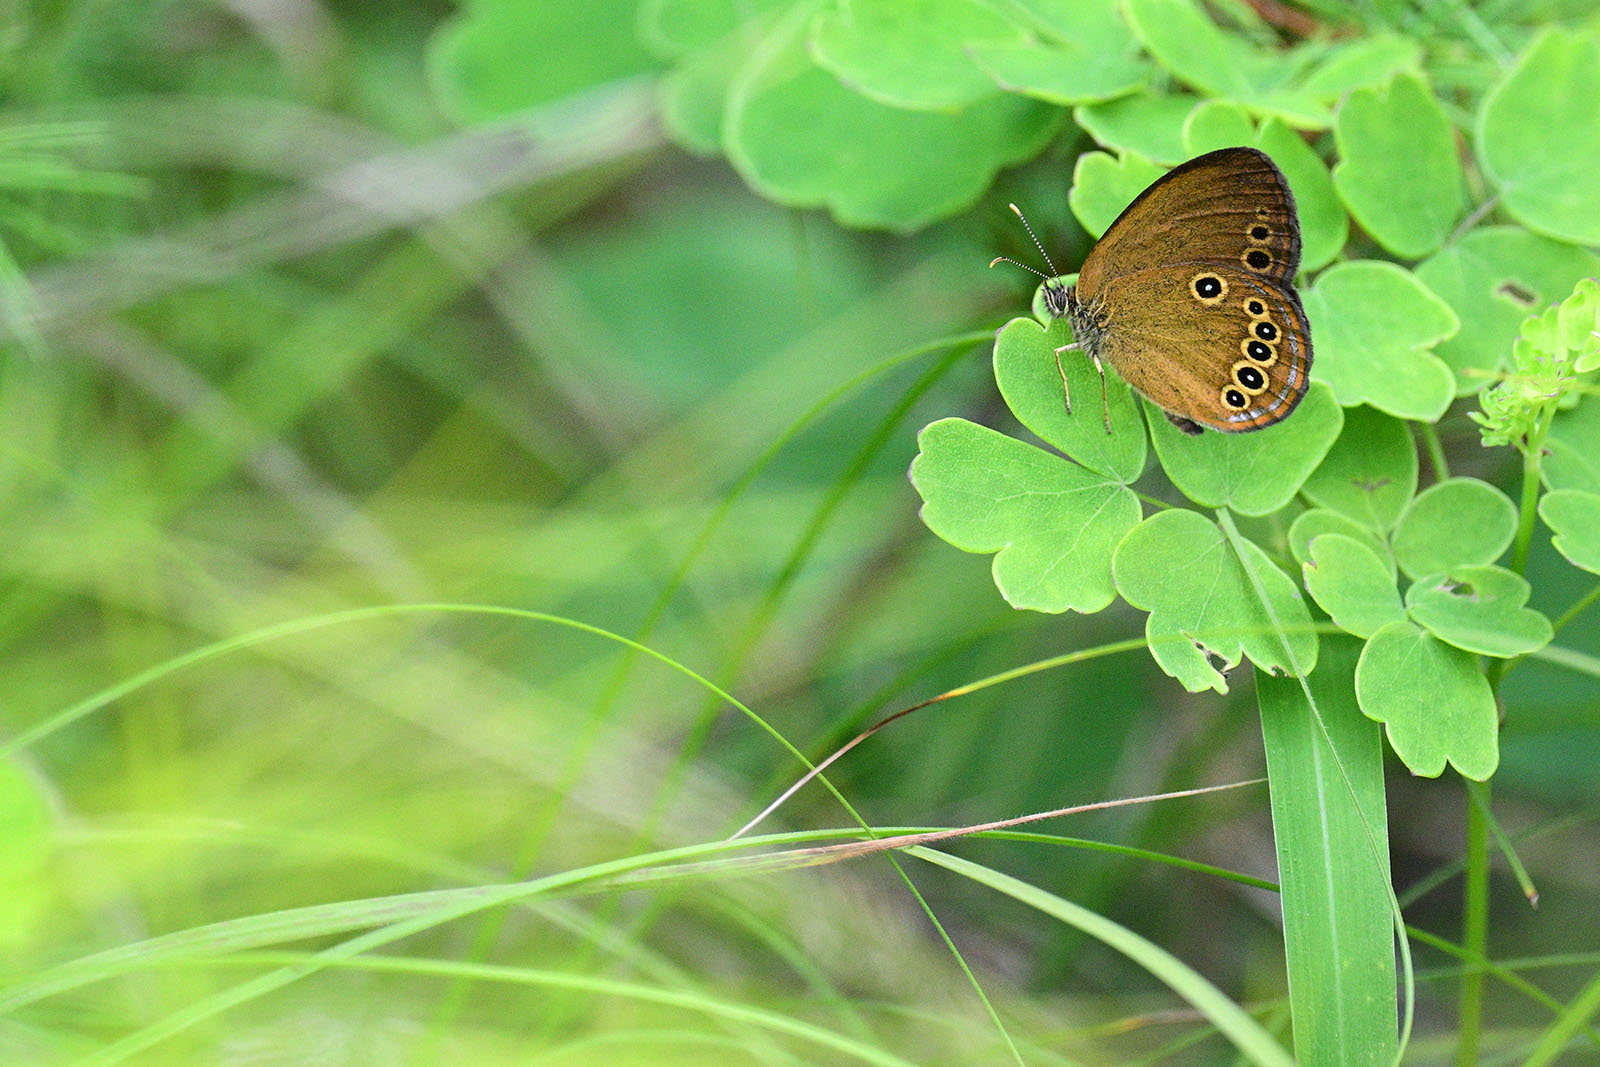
(1553, 349)
(1418, 672)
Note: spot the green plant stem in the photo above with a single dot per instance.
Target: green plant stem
(1475, 903)
(1430, 441)
(1578, 607)
(1475, 931)
(1529, 511)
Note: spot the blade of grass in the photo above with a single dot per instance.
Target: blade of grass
(1338, 934)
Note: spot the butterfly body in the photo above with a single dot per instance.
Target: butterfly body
(1190, 295)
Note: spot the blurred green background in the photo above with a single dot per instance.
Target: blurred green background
(316, 307)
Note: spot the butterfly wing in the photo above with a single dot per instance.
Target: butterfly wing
(1191, 293)
(1239, 363)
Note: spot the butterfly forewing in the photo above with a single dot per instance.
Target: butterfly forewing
(1190, 294)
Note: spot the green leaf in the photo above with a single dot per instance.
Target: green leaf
(911, 53)
(1479, 609)
(1318, 521)
(1200, 54)
(1456, 523)
(1436, 706)
(1103, 186)
(801, 138)
(1147, 124)
(1349, 581)
(1324, 224)
(1332, 862)
(1370, 473)
(1214, 124)
(694, 94)
(1363, 61)
(1539, 137)
(1398, 169)
(478, 61)
(1252, 473)
(1063, 73)
(1178, 566)
(1053, 523)
(1493, 278)
(1372, 325)
(677, 27)
(1025, 370)
(1574, 517)
(1573, 448)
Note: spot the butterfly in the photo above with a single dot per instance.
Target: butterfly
(1190, 296)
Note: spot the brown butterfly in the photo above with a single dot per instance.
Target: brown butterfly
(1190, 296)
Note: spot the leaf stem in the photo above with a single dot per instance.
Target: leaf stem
(1578, 607)
(1475, 903)
(1430, 442)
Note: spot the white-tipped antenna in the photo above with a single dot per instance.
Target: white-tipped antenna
(1036, 243)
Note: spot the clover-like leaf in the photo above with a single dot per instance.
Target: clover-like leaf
(1574, 448)
(1574, 517)
(1539, 137)
(1349, 581)
(1252, 473)
(1102, 186)
(1214, 124)
(1200, 53)
(1179, 566)
(1370, 473)
(1025, 370)
(1436, 706)
(479, 66)
(1398, 167)
(911, 53)
(1372, 324)
(1063, 72)
(1052, 523)
(1360, 62)
(1479, 609)
(677, 27)
(694, 94)
(1460, 522)
(1147, 124)
(1312, 524)
(1494, 278)
(801, 138)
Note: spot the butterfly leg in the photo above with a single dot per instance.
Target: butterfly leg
(1105, 401)
(1066, 393)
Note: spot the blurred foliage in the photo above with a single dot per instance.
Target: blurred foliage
(628, 313)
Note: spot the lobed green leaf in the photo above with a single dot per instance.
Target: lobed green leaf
(1492, 279)
(1025, 370)
(911, 53)
(1373, 324)
(1311, 524)
(1052, 524)
(1539, 137)
(1479, 609)
(1350, 582)
(1398, 169)
(1436, 706)
(1252, 473)
(1178, 566)
(1456, 523)
(1574, 518)
(1370, 473)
